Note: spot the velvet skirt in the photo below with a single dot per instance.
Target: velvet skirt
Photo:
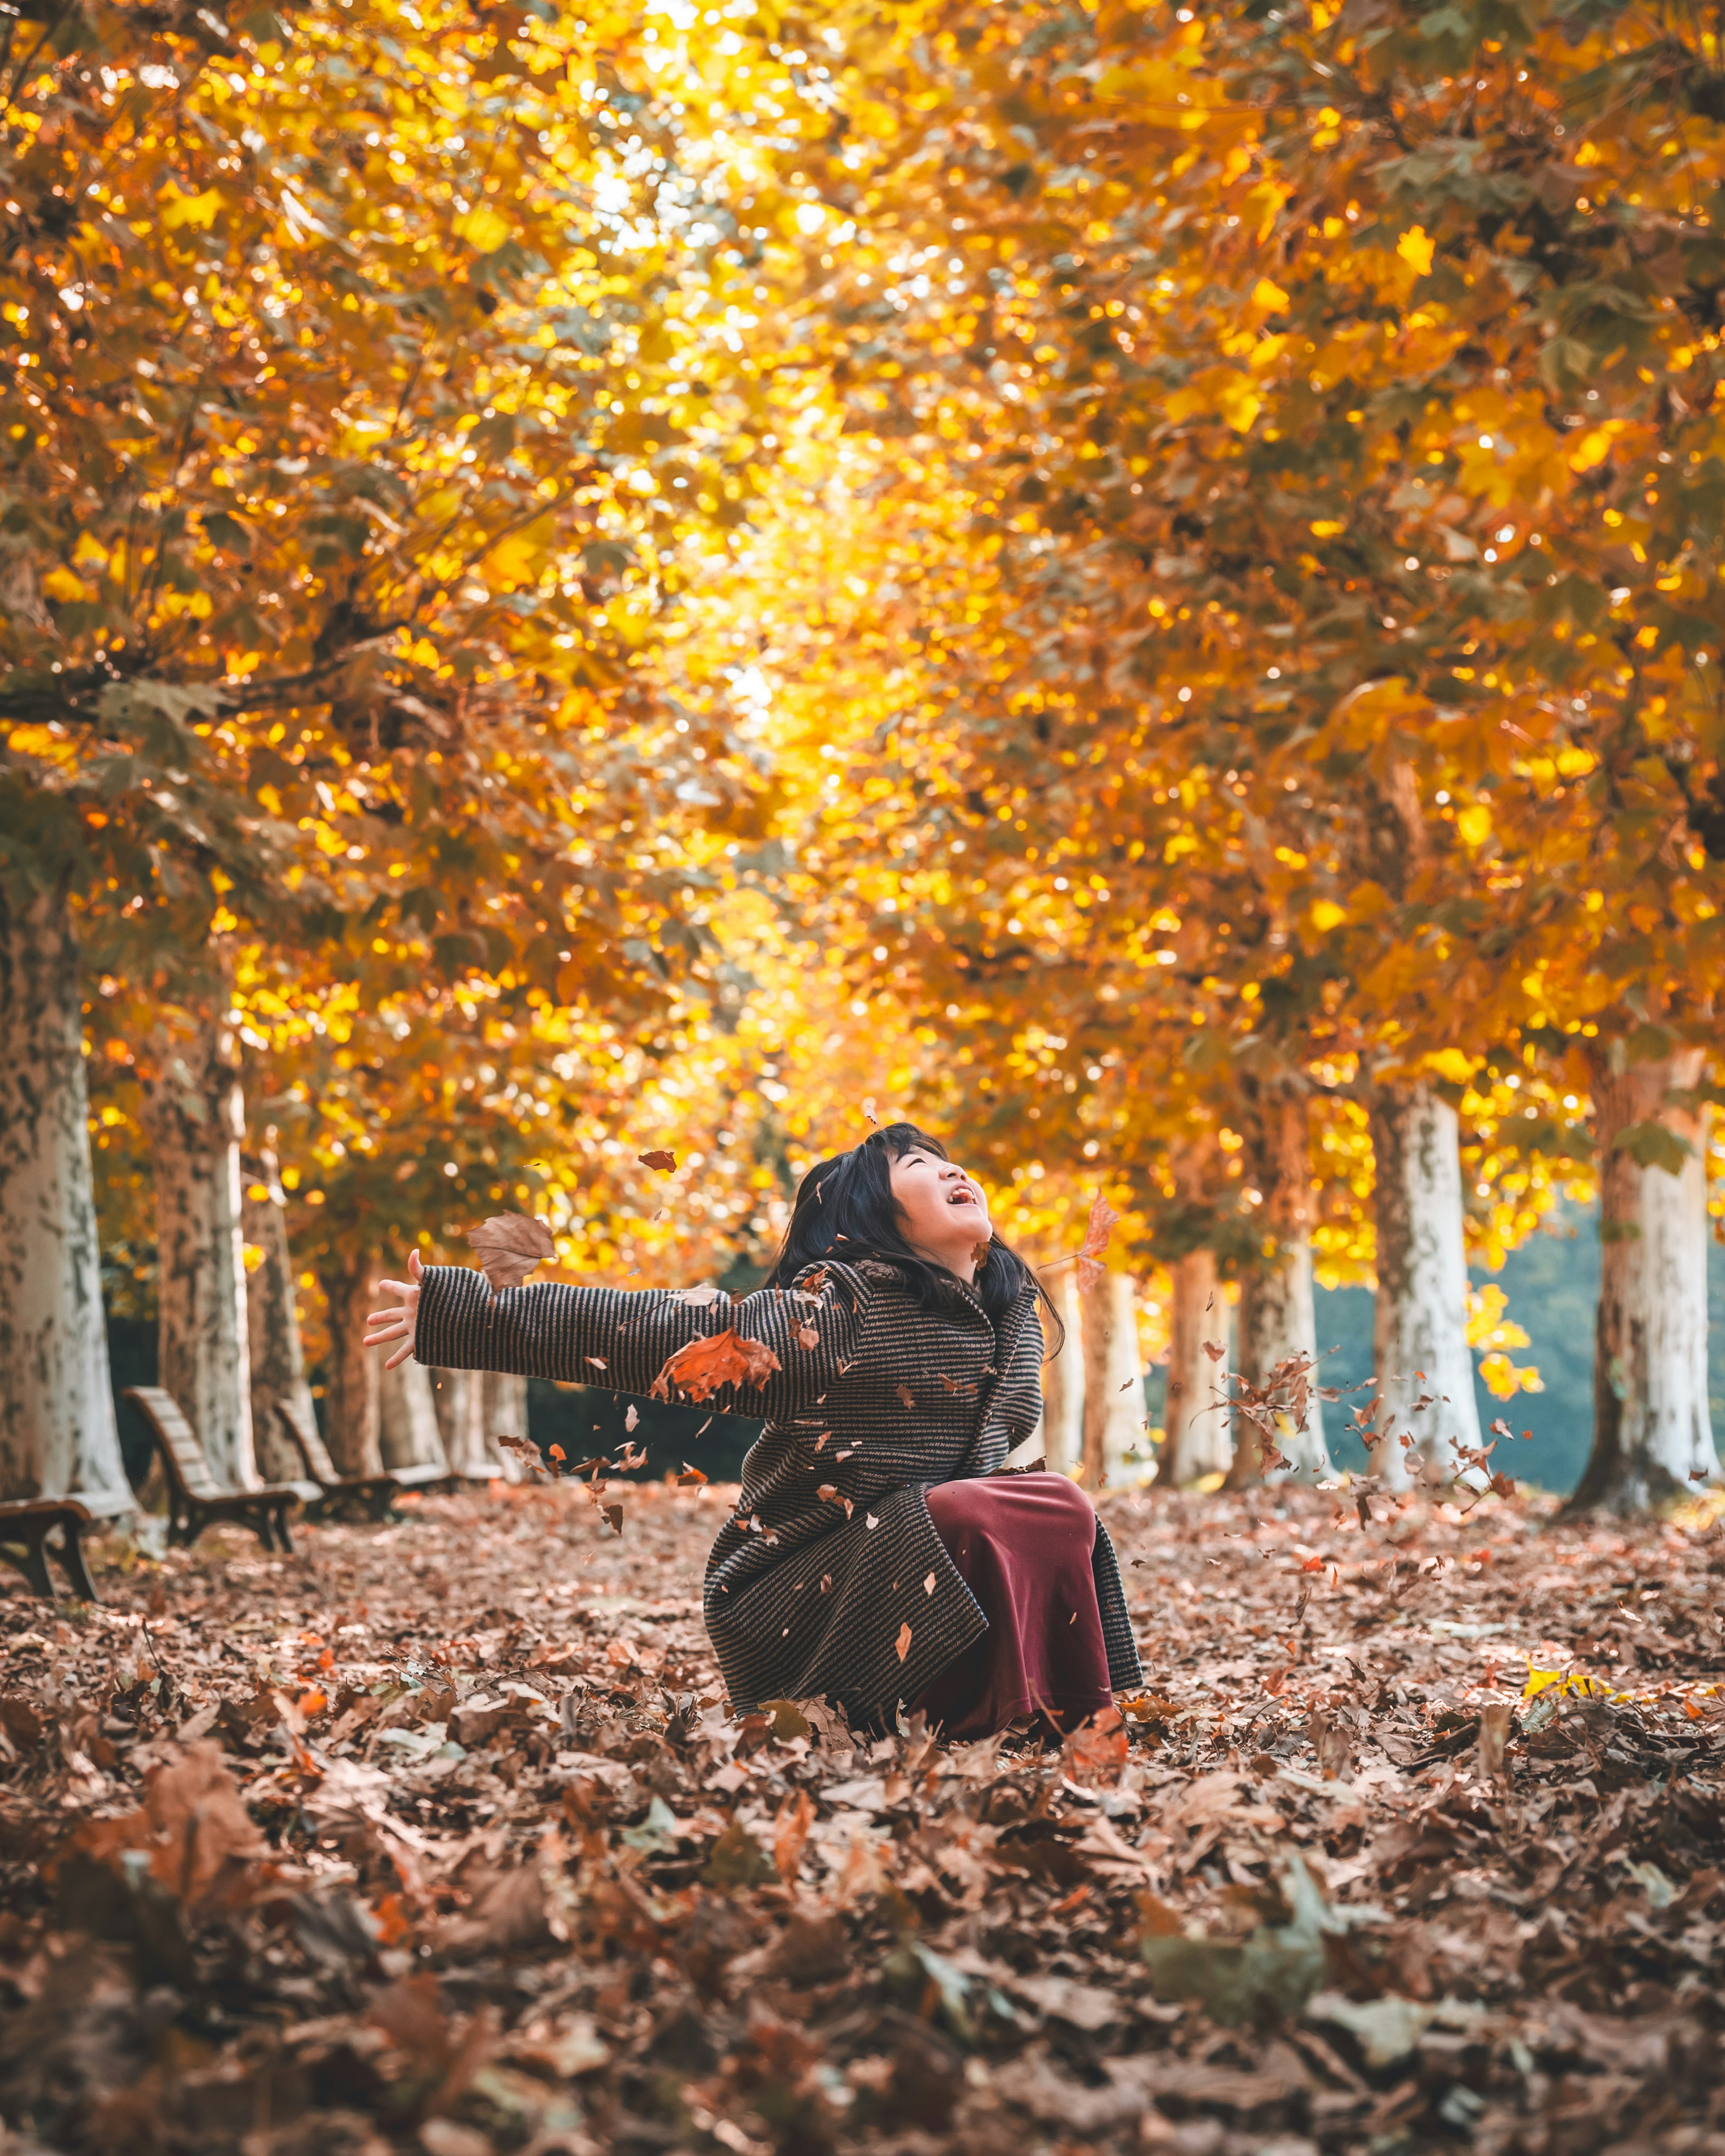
(1023, 1545)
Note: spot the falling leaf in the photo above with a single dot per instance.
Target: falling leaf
(903, 1641)
(807, 1336)
(657, 1159)
(690, 1477)
(979, 1251)
(1097, 1230)
(700, 1366)
(509, 1246)
(928, 1584)
(827, 1494)
(598, 1361)
(698, 1298)
(631, 1419)
(871, 1519)
(868, 1108)
(906, 1395)
(826, 1583)
(814, 1283)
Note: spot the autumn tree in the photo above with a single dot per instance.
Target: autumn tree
(345, 476)
(1265, 366)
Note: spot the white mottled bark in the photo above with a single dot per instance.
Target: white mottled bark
(272, 1316)
(504, 1413)
(408, 1418)
(458, 1397)
(57, 1428)
(194, 1116)
(353, 1396)
(1060, 1437)
(1653, 1438)
(1196, 1439)
(1115, 1447)
(1277, 1319)
(1420, 1331)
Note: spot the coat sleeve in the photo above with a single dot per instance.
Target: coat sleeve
(623, 1340)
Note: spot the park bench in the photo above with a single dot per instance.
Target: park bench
(195, 1500)
(27, 1523)
(374, 1493)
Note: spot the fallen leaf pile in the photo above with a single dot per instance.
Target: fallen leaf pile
(437, 1837)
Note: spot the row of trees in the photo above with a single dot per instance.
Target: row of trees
(1267, 653)
(1203, 536)
(357, 437)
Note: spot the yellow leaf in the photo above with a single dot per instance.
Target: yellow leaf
(60, 583)
(1326, 914)
(1415, 249)
(1451, 1064)
(1475, 824)
(1593, 449)
(483, 229)
(178, 209)
(1326, 528)
(1270, 297)
(1239, 404)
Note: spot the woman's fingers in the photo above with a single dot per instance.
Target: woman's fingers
(384, 1326)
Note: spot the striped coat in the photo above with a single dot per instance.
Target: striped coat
(876, 1400)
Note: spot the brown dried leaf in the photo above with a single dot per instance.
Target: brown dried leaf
(698, 1298)
(1097, 1230)
(903, 1641)
(509, 1246)
(700, 1366)
(658, 1158)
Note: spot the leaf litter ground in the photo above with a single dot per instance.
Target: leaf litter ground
(437, 1837)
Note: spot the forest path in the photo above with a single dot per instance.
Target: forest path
(434, 1837)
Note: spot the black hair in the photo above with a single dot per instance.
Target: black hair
(845, 1209)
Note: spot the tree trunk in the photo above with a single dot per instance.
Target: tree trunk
(1113, 1425)
(458, 1397)
(408, 1418)
(353, 1396)
(1196, 1441)
(1653, 1438)
(505, 1413)
(57, 1428)
(194, 1116)
(1277, 1319)
(1062, 1443)
(272, 1316)
(1421, 1329)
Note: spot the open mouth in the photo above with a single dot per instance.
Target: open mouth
(961, 1194)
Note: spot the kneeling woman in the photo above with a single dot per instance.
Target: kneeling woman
(878, 1557)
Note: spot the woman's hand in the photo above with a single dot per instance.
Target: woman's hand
(384, 1326)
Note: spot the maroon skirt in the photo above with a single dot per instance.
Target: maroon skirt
(1022, 1544)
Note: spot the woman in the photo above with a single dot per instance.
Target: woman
(878, 1557)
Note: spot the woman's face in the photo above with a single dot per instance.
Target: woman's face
(945, 1214)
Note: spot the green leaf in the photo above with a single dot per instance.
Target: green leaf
(1655, 1145)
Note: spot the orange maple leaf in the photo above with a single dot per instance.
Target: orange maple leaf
(700, 1366)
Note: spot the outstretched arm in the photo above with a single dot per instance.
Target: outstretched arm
(450, 1319)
